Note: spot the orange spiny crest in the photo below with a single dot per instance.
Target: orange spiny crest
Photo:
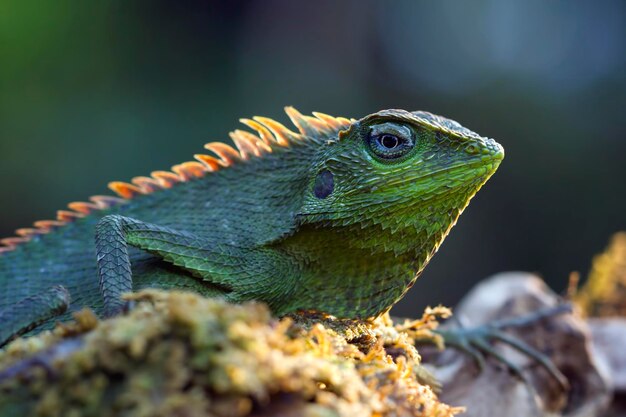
(47, 225)
(282, 135)
(307, 125)
(82, 207)
(299, 121)
(211, 163)
(13, 241)
(28, 232)
(257, 141)
(226, 153)
(190, 170)
(67, 216)
(247, 146)
(147, 185)
(124, 189)
(106, 201)
(335, 123)
(9, 243)
(321, 123)
(264, 133)
(78, 209)
(269, 133)
(166, 179)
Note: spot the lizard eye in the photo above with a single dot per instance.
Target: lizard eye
(390, 141)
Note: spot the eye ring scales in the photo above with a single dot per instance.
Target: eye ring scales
(390, 141)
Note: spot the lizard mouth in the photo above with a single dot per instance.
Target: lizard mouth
(459, 173)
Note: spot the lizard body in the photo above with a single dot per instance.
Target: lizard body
(339, 217)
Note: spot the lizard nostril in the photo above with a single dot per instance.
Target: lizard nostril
(494, 149)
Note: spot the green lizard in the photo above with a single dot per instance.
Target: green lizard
(340, 217)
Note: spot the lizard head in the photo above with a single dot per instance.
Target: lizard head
(379, 199)
(410, 174)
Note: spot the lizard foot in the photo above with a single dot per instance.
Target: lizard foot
(478, 342)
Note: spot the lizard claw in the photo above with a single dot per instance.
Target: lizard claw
(477, 342)
(128, 306)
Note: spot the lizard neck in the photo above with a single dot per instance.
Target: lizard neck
(361, 270)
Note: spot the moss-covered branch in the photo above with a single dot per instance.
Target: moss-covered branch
(180, 354)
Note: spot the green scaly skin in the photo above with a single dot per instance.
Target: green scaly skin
(338, 218)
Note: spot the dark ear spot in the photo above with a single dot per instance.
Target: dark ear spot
(324, 184)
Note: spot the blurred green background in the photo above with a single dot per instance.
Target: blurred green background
(98, 91)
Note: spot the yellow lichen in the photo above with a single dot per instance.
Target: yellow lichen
(604, 293)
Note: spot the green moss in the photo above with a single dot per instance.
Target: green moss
(181, 354)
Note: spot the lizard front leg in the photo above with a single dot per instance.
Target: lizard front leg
(243, 274)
